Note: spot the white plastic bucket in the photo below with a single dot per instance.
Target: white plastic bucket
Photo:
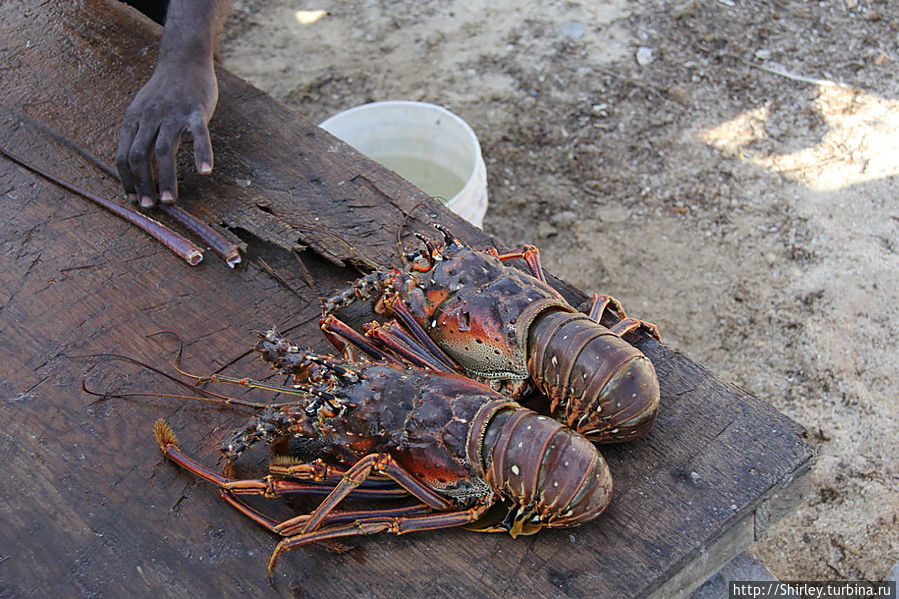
(424, 143)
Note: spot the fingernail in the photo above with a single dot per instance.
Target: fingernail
(132, 197)
(166, 197)
(146, 202)
(205, 168)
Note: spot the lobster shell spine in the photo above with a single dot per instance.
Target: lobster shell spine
(597, 383)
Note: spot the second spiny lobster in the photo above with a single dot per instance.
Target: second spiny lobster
(466, 455)
(512, 331)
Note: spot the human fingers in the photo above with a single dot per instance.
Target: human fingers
(123, 166)
(140, 158)
(166, 149)
(202, 144)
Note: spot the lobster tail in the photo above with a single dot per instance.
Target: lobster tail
(553, 476)
(597, 383)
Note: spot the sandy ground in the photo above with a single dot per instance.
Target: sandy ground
(727, 168)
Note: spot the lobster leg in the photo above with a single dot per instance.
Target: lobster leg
(529, 253)
(367, 526)
(345, 339)
(271, 486)
(388, 344)
(292, 526)
(360, 471)
(316, 470)
(396, 330)
(626, 324)
(268, 486)
(405, 316)
(402, 345)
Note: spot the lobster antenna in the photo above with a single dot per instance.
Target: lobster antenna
(176, 363)
(207, 396)
(231, 380)
(256, 384)
(215, 377)
(233, 402)
(227, 401)
(321, 397)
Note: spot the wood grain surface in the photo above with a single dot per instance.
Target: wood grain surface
(92, 509)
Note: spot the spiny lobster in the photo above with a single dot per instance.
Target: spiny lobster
(467, 455)
(503, 327)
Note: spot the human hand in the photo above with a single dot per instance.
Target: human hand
(180, 97)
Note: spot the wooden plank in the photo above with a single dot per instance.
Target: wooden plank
(95, 506)
(732, 539)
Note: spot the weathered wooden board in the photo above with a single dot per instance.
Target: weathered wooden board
(93, 510)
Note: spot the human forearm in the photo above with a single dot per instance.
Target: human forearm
(192, 29)
(179, 98)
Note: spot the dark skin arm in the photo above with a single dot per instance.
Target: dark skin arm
(179, 98)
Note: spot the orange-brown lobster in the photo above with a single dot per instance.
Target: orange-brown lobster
(466, 455)
(503, 327)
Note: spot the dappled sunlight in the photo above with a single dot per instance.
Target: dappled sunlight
(308, 17)
(861, 144)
